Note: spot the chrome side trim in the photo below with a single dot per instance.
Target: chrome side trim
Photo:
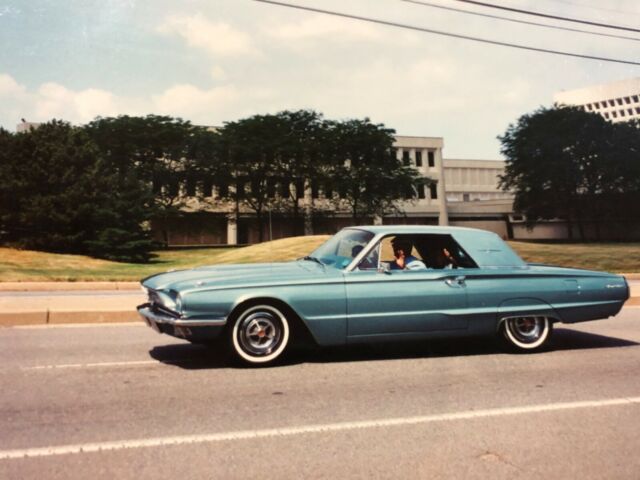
(147, 314)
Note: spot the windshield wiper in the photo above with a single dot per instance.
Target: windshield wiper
(313, 259)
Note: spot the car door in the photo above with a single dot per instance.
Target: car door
(401, 302)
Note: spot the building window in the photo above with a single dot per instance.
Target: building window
(207, 188)
(637, 109)
(190, 187)
(614, 114)
(635, 98)
(421, 193)
(271, 188)
(405, 158)
(630, 111)
(589, 107)
(612, 103)
(418, 159)
(156, 185)
(434, 191)
(627, 100)
(465, 197)
(431, 158)
(619, 100)
(603, 104)
(173, 187)
(327, 190)
(622, 114)
(606, 115)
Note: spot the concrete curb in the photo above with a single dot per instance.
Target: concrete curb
(66, 286)
(12, 319)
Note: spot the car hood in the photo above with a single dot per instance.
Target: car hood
(225, 276)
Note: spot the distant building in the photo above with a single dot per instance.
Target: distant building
(25, 126)
(616, 101)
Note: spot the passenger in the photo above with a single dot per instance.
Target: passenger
(445, 260)
(402, 248)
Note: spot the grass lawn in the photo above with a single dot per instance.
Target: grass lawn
(23, 265)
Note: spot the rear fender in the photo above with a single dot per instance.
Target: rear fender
(525, 307)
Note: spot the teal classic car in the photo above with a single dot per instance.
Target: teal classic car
(379, 283)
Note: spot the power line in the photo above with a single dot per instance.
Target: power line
(507, 19)
(584, 5)
(446, 34)
(546, 15)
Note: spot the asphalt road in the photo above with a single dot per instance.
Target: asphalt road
(121, 401)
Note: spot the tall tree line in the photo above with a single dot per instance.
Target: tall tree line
(96, 188)
(565, 163)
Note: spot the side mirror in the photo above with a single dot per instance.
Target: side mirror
(384, 267)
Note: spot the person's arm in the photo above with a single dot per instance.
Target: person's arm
(415, 264)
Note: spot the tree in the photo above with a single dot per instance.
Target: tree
(302, 162)
(365, 172)
(250, 149)
(559, 165)
(59, 195)
(156, 155)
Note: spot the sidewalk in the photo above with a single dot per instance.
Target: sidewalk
(42, 303)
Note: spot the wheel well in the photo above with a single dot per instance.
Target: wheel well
(300, 333)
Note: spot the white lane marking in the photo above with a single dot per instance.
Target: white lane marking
(91, 365)
(133, 323)
(308, 429)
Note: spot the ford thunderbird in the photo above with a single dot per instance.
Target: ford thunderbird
(379, 283)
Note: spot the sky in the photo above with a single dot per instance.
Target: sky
(215, 61)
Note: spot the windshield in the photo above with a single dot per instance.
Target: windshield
(340, 249)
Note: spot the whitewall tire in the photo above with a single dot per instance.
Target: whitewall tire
(260, 334)
(526, 333)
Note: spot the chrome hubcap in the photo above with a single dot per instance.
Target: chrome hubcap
(260, 333)
(526, 329)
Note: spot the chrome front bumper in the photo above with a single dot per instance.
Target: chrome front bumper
(152, 318)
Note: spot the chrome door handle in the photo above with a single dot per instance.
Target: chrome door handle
(455, 281)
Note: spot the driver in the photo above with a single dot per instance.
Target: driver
(402, 248)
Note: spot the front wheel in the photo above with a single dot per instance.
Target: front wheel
(260, 335)
(526, 333)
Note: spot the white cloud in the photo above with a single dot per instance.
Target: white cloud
(189, 101)
(210, 106)
(323, 28)
(217, 38)
(56, 101)
(218, 73)
(9, 87)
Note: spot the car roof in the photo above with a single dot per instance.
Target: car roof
(486, 248)
(407, 229)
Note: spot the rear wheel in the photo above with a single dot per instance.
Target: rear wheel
(526, 333)
(260, 334)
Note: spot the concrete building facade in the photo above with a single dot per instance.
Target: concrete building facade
(615, 101)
